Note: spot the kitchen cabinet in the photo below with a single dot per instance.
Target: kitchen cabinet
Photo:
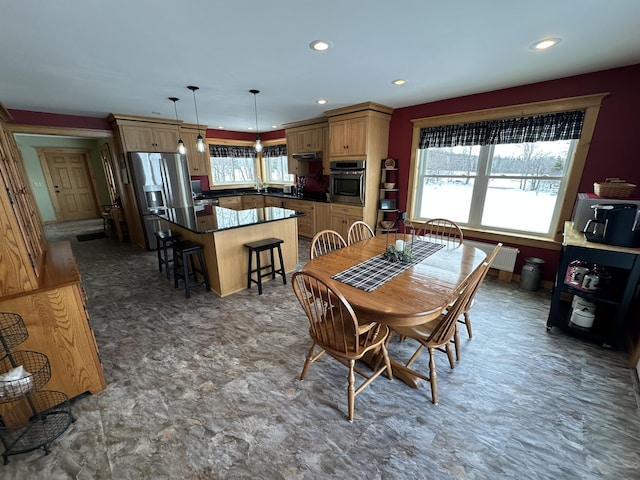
(252, 201)
(303, 137)
(41, 283)
(343, 216)
(348, 138)
(149, 138)
(306, 224)
(233, 202)
(199, 162)
(322, 215)
(612, 300)
(272, 201)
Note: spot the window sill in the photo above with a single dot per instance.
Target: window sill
(513, 239)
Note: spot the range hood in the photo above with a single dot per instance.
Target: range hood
(307, 156)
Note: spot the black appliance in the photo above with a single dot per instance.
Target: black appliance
(346, 182)
(614, 224)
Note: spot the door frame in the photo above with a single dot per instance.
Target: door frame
(42, 155)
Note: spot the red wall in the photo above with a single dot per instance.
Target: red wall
(613, 150)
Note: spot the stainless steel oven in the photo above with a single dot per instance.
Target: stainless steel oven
(346, 182)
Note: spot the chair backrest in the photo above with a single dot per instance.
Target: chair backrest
(486, 265)
(441, 230)
(445, 330)
(326, 241)
(332, 322)
(359, 231)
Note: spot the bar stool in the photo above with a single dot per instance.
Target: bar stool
(259, 247)
(183, 253)
(164, 240)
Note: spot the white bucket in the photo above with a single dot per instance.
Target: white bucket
(582, 318)
(580, 303)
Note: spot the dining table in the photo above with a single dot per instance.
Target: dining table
(418, 294)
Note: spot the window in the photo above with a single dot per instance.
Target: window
(232, 164)
(513, 169)
(275, 165)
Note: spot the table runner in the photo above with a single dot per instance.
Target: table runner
(376, 271)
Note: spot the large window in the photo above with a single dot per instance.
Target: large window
(275, 166)
(498, 173)
(232, 164)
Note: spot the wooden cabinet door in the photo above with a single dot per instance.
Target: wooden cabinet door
(165, 138)
(137, 138)
(272, 201)
(357, 136)
(310, 140)
(322, 217)
(338, 143)
(252, 201)
(234, 203)
(198, 161)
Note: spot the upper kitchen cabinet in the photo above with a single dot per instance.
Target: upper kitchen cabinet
(199, 162)
(305, 137)
(359, 131)
(143, 134)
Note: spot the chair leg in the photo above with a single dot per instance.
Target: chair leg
(308, 361)
(203, 269)
(160, 258)
(284, 275)
(447, 347)
(432, 376)
(273, 265)
(456, 342)
(351, 391)
(166, 260)
(249, 269)
(467, 321)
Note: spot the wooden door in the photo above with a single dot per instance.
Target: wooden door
(70, 183)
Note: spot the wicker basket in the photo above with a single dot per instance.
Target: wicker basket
(613, 188)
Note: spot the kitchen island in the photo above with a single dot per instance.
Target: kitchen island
(222, 232)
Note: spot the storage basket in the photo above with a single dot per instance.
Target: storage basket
(613, 188)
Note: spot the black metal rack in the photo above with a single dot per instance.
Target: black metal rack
(30, 418)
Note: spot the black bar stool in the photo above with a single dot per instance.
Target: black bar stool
(183, 253)
(259, 247)
(164, 240)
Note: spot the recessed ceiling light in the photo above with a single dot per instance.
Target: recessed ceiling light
(399, 81)
(220, 127)
(319, 45)
(321, 101)
(274, 126)
(545, 44)
(249, 128)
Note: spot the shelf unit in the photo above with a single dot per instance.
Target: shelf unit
(613, 301)
(30, 418)
(388, 174)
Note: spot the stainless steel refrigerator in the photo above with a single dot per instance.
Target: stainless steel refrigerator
(161, 180)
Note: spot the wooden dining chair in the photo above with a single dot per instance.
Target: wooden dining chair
(438, 334)
(466, 318)
(441, 230)
(359, 231)
(326, 241)
(334, 329)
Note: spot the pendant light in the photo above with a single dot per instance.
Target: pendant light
(200, 146)
(258, 144)
(181, 148)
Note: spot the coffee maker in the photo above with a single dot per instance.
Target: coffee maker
(614, 224)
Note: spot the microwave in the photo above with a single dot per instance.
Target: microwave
(346, 182)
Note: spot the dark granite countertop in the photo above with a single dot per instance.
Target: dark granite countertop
(309, 195)
(215, 219)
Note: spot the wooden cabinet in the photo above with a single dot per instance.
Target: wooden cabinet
(252, 201)
(306, 224)
(149, 137)
(234, 202)
(303, 137)
(343, 216)
(273, 201)
(41, 283)
(388, 196)
(199, 162)
(348, 138)
(322, 216)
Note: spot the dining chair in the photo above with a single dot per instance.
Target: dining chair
(359, 231)
(334, 329)
(326, 241)
(438, 334)
(441, 230)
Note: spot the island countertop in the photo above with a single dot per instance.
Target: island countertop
(212, 219)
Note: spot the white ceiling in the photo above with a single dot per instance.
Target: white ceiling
(92, 57)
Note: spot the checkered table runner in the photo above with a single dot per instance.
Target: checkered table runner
(376, 271)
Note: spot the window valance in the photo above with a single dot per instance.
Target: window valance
(275, 151)
(233, 151)
(538, 128)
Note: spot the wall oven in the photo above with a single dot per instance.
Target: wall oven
(346, 182)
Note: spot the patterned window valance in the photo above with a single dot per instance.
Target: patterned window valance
(539, 128)
(234, 151)
(275, 151)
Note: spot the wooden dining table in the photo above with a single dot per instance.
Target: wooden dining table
(416, 296)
